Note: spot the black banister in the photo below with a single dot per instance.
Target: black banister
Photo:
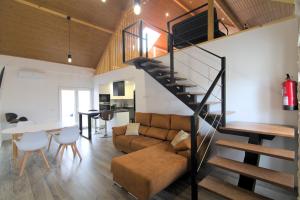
(141, 37)
(208, 93)
(191, 11)
(194, 185)
(223, 91)
(171, 47)
(123, 46)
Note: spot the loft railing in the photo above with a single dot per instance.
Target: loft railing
(138, 47)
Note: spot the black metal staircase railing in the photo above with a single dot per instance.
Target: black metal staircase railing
(139, 49)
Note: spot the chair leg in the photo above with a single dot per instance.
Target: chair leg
(62, 152)
(50, 140)
(105, 128)
(45, 159)
(76, 149)
(58, 151)
(24, 160)
(73, 149)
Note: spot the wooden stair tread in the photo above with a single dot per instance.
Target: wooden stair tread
(166, 72)
(158, 70)
(271, 176)
(274, 152)
(176, 78)
(257, 128)
(189, 93)
(220, 113)
(207, 103)
(152, 64)
(180, 84)
(228, 190)
(142, 59)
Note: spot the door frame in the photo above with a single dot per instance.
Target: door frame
(76, 106)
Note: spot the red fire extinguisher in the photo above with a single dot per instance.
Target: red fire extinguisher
(289, 92)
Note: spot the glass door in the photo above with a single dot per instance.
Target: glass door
(73, 101)
(68, 107)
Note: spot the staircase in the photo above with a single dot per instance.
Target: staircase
(248, 170)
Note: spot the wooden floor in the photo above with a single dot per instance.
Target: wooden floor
(90, 179)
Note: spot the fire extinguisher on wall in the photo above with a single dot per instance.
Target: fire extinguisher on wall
(289, 92)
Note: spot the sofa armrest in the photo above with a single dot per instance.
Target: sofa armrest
(119, 130)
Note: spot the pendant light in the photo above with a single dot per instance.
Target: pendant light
(137, 7)
(69, 38)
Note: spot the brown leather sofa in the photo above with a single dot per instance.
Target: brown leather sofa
(151, 163)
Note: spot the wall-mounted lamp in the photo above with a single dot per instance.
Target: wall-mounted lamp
(137, 7)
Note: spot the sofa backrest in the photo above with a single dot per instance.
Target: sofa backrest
(162, 126)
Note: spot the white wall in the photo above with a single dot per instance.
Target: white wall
(257, 61)
(31, 87)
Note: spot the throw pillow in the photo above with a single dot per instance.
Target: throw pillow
(181, 136)
(183, 145)
(132, 129)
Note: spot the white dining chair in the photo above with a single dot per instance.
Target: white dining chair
(67, 137)
(32, 142)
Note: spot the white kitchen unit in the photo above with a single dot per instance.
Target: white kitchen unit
(121, 118)
(108, 89)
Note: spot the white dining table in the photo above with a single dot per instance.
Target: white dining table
(17, 131)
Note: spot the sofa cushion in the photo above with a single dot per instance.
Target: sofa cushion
(143, 118)
(160, 121)
(171, 134)
(143, 130)
(143, 142)
(123, 142)
(179, 122)
(145, 173)
(157, 133)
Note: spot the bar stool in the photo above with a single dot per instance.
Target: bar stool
(106, 116)
(95, 119)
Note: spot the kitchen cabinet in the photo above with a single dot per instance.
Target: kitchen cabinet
(108, 89)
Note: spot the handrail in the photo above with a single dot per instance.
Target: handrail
(209, 91)
(183, 40)
(191, 11)
(135, 35)
(227, 31)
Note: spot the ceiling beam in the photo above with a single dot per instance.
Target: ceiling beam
(58, 14)
(220, 4)
(184, 7)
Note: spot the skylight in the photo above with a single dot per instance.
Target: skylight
(152, 37)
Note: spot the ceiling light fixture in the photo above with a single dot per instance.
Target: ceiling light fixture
(103, 1)
(137, 7)
(69, 38)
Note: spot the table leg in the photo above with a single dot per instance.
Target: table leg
(90, 127)
(14, 147)
(80, 123)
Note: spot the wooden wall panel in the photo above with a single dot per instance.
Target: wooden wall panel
(112, 57)
(31, 33)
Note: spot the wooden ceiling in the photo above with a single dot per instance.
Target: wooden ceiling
(259, 12)
(33, 33)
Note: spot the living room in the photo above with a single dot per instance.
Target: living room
(109, 70)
